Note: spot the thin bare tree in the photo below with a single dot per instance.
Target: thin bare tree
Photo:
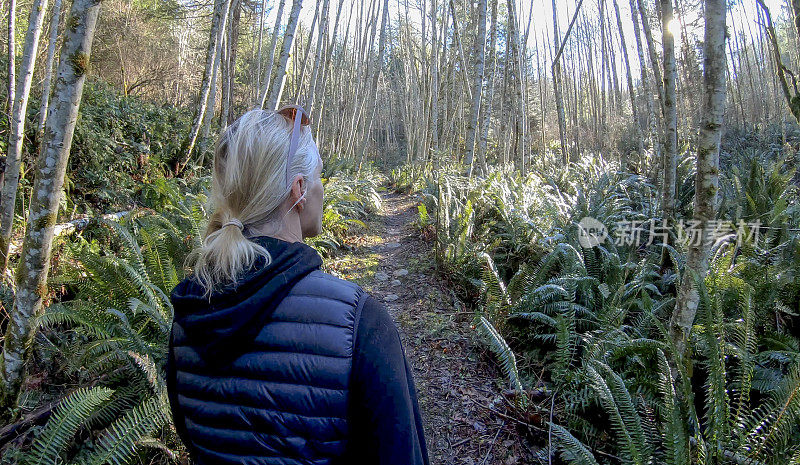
(48, 72)
(670, 111)
(272, 100)
(707, 177)
(631, 91)
(51, 166)
(15, 135)
(218, 22)
(477, 87)
(262, 94)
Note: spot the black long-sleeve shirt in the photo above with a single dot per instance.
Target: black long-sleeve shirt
(386, 425)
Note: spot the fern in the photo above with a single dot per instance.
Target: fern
(118, 443)
(508, 361)
(675, 436)
(57, 434)
(572, 450)
(618, 408)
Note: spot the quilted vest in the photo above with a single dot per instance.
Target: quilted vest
(285, 399)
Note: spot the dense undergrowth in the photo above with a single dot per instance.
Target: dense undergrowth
(580, 330)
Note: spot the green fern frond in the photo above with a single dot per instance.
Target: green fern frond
(57, 434)
(775, 422)
(627, 410)
(118, 443)
(717, 415)
(676, 438)
(572, 449)
(627, 443)
(495, 286)
(508, 361)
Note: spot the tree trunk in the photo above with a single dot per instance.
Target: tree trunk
(15, 135)
(707, 178)
(562, 122)
(631, 90)
(319, 56)
(651, 50)
(230, 79)
(271, 62)
(603, 65)
(487, 108)
(559, 45)
(218, 22)
(480, 48)
(12, 55)
(212, 98)
(320, 85)
(225, 83)
(646, 91)
(434, 94)
(276, 89)
(670, 112)
(48, 73)
(260, 43)
(375, 77)
(516, 74)
(49, 180)
(300, 71)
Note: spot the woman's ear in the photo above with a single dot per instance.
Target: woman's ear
(298, 185)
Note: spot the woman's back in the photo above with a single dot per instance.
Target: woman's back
(263, 373)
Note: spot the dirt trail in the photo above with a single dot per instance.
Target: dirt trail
(457, 388)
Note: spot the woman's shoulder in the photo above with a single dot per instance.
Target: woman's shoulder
(328, 285)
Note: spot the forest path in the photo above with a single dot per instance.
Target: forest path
(457, 389)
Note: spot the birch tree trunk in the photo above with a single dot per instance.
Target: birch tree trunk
(480, 48)
(230, 79)
(670, 111)
(556, 69)
(48, 73)
(631, 90)
(271, 61)
(300, 71)
(220, 18)
(212, 98)
(646, 91)
(651, 50)
(276, 89)
(12, 55)
(434, 94)
(225, 83)
(375, 77)
(319, 87)
(15, 136)
(487, 108)
(51, 166)
(260, 43)
(519, 107)
(603, 64)
(707, 178)
(319, 56)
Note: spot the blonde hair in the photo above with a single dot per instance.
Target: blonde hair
(248, 186)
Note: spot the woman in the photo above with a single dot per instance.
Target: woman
(271, 360)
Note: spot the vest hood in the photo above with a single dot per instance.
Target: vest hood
(223, 326)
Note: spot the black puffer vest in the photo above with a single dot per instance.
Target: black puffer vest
(283, 399)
